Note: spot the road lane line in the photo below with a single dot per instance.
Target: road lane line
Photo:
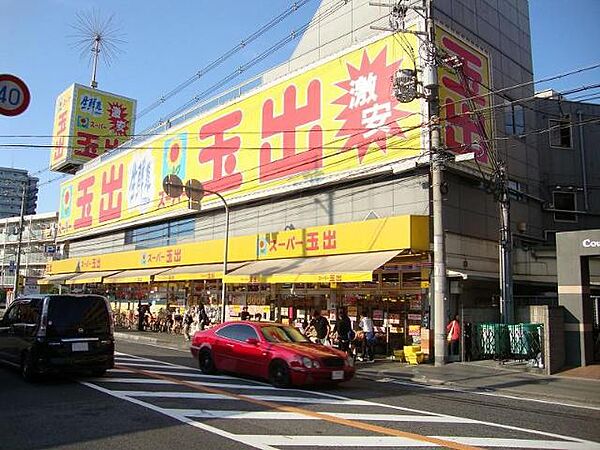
(158, 366)
(477, 392)
(204, 383)
(277, 415)
(201, 426)
(339, 421)
(218, 394)
(417, 411)
(392, 441)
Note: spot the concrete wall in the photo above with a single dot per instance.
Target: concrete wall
(554, 332)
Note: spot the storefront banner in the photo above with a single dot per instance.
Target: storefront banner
(340, 277)
(330, 122)
(87, 123)
(390, 233)
(354, 237)
(241, 248)
(465, 132)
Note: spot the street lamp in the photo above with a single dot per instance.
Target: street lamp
(173, 187)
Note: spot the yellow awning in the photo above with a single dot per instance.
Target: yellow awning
(133, 276)
(56, 279)
(323, 269)
(196, 272)
(91, 277)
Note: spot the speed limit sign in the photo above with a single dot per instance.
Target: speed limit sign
(14, 95)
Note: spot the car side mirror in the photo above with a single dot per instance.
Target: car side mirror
(252, 341)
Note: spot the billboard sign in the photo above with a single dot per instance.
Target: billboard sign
(463, 90)
(332, 121)
(87, 123)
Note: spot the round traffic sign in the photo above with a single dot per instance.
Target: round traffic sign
(14, 95)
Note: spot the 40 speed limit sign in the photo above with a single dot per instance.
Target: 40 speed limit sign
(14, 95)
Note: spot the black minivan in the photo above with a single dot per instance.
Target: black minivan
(58, 333)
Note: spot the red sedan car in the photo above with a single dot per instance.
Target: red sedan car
(279, 353)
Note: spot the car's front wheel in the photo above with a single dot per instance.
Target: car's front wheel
(279, 374)
(205, 362)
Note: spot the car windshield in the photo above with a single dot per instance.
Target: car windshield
(274, 333)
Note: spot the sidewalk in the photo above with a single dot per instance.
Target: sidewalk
(580, 386)
(491, 378)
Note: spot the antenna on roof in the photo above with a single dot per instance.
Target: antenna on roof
(96, 36)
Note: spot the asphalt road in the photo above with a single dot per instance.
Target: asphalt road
(157, 399)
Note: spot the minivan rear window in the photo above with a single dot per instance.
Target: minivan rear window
(77, 316)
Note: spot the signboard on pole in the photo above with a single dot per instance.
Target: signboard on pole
(87, 123)
(14, 95)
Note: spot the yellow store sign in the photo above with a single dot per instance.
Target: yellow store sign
(328, 123)
(88, 122)
(391, 233)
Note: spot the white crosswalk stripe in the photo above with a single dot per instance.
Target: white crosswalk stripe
(229, 404)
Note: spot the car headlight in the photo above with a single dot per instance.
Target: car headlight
(309, 363)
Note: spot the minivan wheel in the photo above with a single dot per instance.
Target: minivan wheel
(205, 362)
(28, 371)
(279, 374)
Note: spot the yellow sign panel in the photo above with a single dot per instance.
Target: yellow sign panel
(339, 277)
(355, 237)
(333, 121)
(391, 233)
(63, 129)
(88, 122)
(468, 79)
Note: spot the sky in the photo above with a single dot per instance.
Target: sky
(164, 44)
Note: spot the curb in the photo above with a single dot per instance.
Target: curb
(148, 340)
(425, 381)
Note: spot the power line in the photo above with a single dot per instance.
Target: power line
(224, 57)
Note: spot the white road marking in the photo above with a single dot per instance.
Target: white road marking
(199, 383)
(280, 415)
(393, 441)
(266, 398)
(143, 364)
(479, 392)
(197, 375)
(185, 420)
(565, 442)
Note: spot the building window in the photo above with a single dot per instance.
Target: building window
(560, 133)
(514, 119)
(516, 190)
(565, 202)
(160, 234)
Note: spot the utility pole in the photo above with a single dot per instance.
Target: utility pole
(430, 79)
(19, 242)
(507, 309)
(405, 91)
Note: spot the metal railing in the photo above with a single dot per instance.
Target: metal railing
(522, 341)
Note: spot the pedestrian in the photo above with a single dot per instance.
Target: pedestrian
(141, 315)
(258, 317)
(321, 326)
(245, 315)
(366, 325)
(343, 329)
(188, 320)
(468, 335)
(453, 336)
(203, 320)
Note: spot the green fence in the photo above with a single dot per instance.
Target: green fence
(501, 341)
